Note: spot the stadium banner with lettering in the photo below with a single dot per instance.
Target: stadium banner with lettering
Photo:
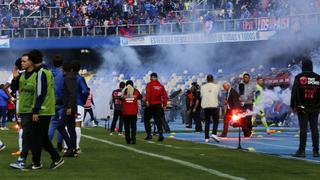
(134, 41)
(29, 4)
(273, 24)
(247, 25)
(4, 43)
(190, 38)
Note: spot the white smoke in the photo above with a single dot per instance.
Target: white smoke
(228, 59)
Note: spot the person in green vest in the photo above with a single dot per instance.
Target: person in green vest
(258, 106)
(24, 107)
(36, 107)
(43, 110)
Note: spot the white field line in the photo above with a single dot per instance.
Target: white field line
(181, 162)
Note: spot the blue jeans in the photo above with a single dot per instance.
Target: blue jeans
(54, 123)
(3, 116)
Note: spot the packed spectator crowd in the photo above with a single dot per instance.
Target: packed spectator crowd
(64, 13)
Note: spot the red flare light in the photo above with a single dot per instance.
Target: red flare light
(235, 117)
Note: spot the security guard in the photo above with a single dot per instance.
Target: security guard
(305, 100)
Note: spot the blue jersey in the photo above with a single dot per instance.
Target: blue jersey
(58, 82)
(83, 90)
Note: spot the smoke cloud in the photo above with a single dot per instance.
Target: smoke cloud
(223, 60)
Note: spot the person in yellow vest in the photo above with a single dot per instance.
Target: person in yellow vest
(258, 106)
(36, 88)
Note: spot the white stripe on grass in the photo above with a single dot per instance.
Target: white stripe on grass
(181, 162)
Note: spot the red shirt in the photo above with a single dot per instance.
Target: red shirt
(10, 106)
(130, 104)
(156, 93)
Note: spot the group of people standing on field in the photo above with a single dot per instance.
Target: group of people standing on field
(56, 99)
(125, 104)
(48, 100)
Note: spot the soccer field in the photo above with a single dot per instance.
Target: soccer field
(108, 157)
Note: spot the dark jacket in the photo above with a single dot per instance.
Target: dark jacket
(116, 100)
(305, 93)
(69, 92)
(233, 99)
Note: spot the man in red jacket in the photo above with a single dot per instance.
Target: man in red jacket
(156, 102)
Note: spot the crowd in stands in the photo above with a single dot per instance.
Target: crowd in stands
(79, 13)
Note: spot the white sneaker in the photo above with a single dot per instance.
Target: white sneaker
(2, 147)
(120, 134)
(111, 134)
(94, 124)
(5, 129)
(18, 165)
(35, 167)
(78, 151)
(206, 140)
(215, 137)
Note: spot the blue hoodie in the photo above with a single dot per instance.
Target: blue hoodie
(3, 98)
(58, 83)
(83, 91)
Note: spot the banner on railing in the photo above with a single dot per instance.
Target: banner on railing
(190, 38)
(273, 24)
(247, 25)
(4, 42)
(29, 4)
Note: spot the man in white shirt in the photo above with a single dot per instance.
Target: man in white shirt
(210, 103)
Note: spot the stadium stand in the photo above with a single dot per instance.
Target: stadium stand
(85, 15)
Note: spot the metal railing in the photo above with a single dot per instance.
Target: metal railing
(257, 24)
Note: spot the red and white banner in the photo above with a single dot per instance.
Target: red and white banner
(273, 24)
(29, 4)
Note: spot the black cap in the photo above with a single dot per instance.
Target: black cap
(154, 75)
(307, 64)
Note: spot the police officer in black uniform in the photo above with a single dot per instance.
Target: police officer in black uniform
(305, 100)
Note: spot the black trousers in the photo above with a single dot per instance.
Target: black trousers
(70, 137)
(195, 116)
(130, 127)
(90, 111)
(26, 125)
(10, 115)
(246, 121)
(117, 114)
(155, 112)
(40, 139)
(312, 118)
(208, 114)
